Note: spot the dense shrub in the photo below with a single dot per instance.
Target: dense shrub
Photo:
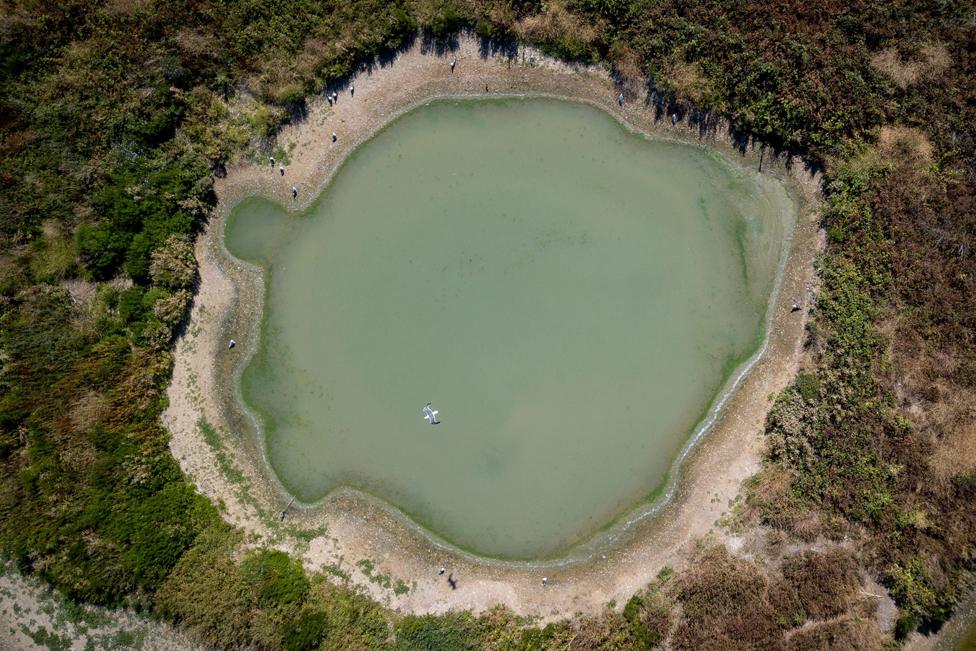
(825, 583)
(727, 602)
(276, 577)
(445, 21)
(173, 265)
(306, 632)
(853, 454)
(649, 618)
(453, 632)
(102, 249)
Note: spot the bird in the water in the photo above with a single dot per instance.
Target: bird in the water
(430, 415)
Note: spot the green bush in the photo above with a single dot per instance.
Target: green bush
(307, 632)
(53, 260)
(450, 632)
(132, 307)
(808, 385)
(276, 577)
(102, 110)
(137, 258)
(648, 616)
(445, 21)
(403, 26)
(101, 249)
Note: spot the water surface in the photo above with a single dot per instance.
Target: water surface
(570, 296)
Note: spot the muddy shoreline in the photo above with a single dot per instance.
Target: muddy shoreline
(229, 302)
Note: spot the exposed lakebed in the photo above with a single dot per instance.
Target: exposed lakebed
(571, 296)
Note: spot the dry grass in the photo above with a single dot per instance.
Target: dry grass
(955, 449)
(907, 148)
(932, 59)
(727, 603)
(9, 269)
(688, 81)
(89, 410)
(555, 21)
(817, 603)
(770, 496)
(628, 65)
(943, 409)
(51, 229)
(194, 41)
(950, 418)
(847, 634)
(127, 7)
(826, 583)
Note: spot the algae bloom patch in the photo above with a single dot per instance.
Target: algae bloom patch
(571, 297)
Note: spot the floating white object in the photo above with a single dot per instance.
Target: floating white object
(430, 415)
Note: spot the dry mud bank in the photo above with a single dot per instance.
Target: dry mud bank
(363, 542)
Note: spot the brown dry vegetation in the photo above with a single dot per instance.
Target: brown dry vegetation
(929, 60)
(954, 419)
(905, 147)
(688, 82)
(878, 442)
(728, 602)
(844, 634)
(826, 583)
(556, 22)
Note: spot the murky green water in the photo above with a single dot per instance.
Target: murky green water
(571, 297)
(968, 641)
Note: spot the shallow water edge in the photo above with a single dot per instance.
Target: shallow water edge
(605, 537)
(703, 489)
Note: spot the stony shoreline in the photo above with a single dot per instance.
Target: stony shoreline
(228, 305)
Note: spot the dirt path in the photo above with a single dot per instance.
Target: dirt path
(350, 537)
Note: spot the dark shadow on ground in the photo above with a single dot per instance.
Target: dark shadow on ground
(664, 105)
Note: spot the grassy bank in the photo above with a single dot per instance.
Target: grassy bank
(115, 117)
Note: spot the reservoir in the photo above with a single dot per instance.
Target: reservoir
(572, 297)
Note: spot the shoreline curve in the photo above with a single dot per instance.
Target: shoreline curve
(722, 452)
(593, 542)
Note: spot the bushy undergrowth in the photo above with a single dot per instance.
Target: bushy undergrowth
(894, 332)
(114, 117)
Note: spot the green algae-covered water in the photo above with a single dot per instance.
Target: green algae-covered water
(570, 296)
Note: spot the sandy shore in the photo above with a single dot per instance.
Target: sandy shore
(344, 529)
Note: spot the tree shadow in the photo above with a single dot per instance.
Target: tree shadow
(429, 43)
(663, 103)
(708, 124)
(488, 47)
(298, 112)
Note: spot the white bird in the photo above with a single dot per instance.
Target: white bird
(430, 415)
